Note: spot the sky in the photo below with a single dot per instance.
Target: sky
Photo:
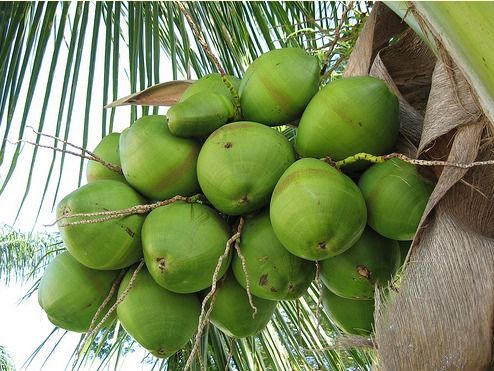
(23, 326)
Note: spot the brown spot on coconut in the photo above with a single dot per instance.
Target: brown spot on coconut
(364, 272)
(263, 280)
(161, 263)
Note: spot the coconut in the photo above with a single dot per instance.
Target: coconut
(71, 293)
(348, 116)
(200, 114)
(316, 211)
(396, 196)
(107, 149)
(278, 85)
(232, 313)
(212, 83)
(274, 273)
(104, 245)
(239, 165)
(155, 162)
(158, 319)
(182, 244)
(352, 316)
(371, 261)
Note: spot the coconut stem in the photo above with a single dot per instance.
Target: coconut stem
(85, 154)
(246, 273)
(230, 354)
(236, 99)
(120, 299)
(358, 157)
(107, 300)
(214, 59)
(330, 51)
(380, 159)
(105, 216)
(201, 40)
(199, 357)
(205, 313)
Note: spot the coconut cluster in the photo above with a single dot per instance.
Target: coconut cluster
(223, 141)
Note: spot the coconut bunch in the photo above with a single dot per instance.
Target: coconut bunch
(216, 164)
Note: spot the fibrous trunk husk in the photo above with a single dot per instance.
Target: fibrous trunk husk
(443, 314)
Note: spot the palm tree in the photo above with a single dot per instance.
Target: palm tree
(135, 37)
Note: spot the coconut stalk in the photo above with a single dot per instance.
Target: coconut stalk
(447, 288)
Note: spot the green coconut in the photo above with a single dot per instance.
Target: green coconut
(239, 165)
(348, 116)
(274, 273)
(352, 316)
(155, 162)
(232, 312)
(316, 211)
(112, 244)
(71, 293)
(200, 114)
(371, 261)
(182, 244)
(278, 85)
(160, 320)
(396, 196)
(212, 83)
(107, 149)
